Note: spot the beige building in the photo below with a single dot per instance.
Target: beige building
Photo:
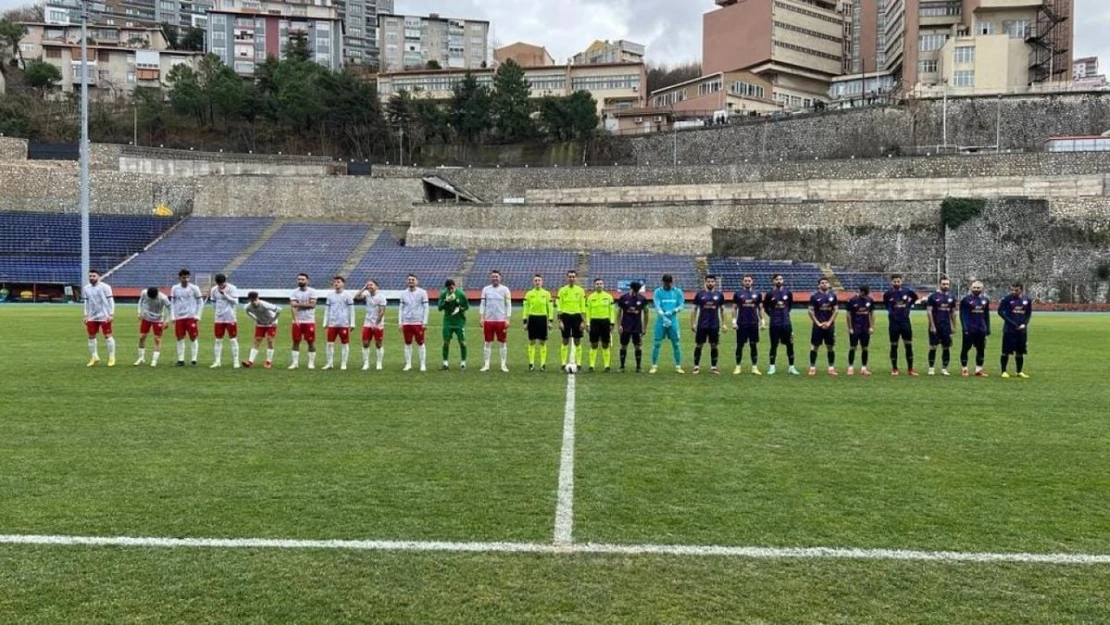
(619, 51)
(36, 34)
(114, 71)
(723, 94)
(615, 86)
(410, 42)
(524, 54)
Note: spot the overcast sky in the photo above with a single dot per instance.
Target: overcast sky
(671, 29)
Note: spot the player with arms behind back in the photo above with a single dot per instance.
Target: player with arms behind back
(413, 314)
(494, 312)
(940, 307)
(265, 316)
(303, 302)
(861, 325)
(633, 320)
(373, 328)
(100, 308)
(225, 297)
(153, 310)
(339, 320)
(822, 312)
(705, 324)
(186, 301)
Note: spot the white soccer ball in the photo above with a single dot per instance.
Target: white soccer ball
(572, 368)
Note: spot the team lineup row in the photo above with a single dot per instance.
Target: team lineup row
(596, 316)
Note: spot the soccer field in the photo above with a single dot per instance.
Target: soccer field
(462, 497)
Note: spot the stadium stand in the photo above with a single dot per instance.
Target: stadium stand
(518, 266)
(614, 267)
(46, 247)
(389, 263)
(320, 250)
(730, 272)
(201, 244)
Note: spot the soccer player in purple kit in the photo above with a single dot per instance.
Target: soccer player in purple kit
(975, 318)
(939, 307)
(705, 323)
(898, 302)
(633, 319)
(823, 310)
(747, 319)
(1016, 309)
(777, 303)
(861, 325)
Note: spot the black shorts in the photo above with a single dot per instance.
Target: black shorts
(707, 335)
(1015, 343)
(782, 334)
(747, 334)
(942, 337)
(601, 331)
(860, 338)
(572, 326)
(903, 331)
(822, 336)
(537, 328)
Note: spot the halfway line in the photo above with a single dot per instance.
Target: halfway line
(564, 509)
(806, 553)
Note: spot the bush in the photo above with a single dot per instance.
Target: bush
(955, 212)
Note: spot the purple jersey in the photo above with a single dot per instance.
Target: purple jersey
(975, 314)
(823, 305)
(748, 302)
(777, 303)
(709, 303)
(899, 302)
(860, 309)
(1015, 311)
(631, 306)
(942, 306)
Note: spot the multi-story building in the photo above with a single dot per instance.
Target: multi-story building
(127, 13)
(114, 70)
(412, 42)
(245, 32)
(619, 51)
(36, 34)
(1084, 68)
(524, 54)
(360, 37)
(615, 86)
(723, 94)
(797, 45)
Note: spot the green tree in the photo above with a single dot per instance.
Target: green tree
(187, 97)
(295, 97)
(511, 102)
(10, 36)
(42, 75)
(193, 39)
(171, 32)
(354, 118)
(582, 111)
(555, 117)
(435, 123)
(433, 64)
(297, 49)
(470, 109)
(222, 89)
(152, 117)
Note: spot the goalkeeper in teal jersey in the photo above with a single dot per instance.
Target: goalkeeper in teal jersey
(668, 304)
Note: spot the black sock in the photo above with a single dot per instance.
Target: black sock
(965, 349)
(863, 358)
(714, 355)
(946, 357)
(639, 357)
(851, 356)
(1005, 362)
(790, 353)
(754, 351)
(932, 358)
(697, 355)
(774, 351)
(739, 354)
(909, 355)
(813, 357)
(1019, 362)
(980, 358)
(832, 357)
(624, 356)
(893, 356)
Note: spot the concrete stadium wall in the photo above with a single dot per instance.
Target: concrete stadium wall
(336, 197)
(12, 149)
(52, 186)
(193, 168)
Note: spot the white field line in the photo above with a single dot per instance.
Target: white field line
(803, 553)
(564, 508)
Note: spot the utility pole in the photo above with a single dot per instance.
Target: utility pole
(944, 122)
(84, 193)
(401, 146)
(674, 128)
(998, 127)
(135, 121)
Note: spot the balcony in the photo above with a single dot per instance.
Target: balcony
(1009, 4)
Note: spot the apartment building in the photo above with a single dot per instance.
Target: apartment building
(360, 37)
(411, 42)
(738, 92)
(245, 32)
(524, 54)
(796, 45)
(619, 51)
(36, 34)
(615, 86)
(114, 71)
(127, 13)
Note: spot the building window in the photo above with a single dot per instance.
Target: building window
(130, 76)
(964, 78)
(927, 67)
(1017, 29)
(940, 10)
(53, 53)
(932, 41)
(984, 28)
(746, 90)
(709, 87)
(965, 54)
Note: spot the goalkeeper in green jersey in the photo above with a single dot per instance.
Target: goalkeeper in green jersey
(600, 317)
(453, 304)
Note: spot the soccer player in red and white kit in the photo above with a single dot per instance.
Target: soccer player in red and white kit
(100, 308)
(226, 299)
(186, 301)
(153, 309)
(339, 319)
(303, 303)
(494, 312)
(373, 329)
(265, 316)
(414, 321)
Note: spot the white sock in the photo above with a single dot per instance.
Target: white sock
(312, 359)
(218, 349)
(180, 351)
(92, 348)
(365, 355)
(487, 349)
(111, 343)
(194, 349)
(269, 355)
(381, 354)
(408, 355)
(345, 353)
(234, 349)
(154, 357)
(329, 353)
(254, 354)
(423, 355)
(142, 353)
(296, 359)
(504, 354)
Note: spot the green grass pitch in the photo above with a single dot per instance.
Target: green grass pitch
(992, 465)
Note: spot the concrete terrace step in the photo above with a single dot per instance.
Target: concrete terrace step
(359, 252)
(255, 246)
(467, 267)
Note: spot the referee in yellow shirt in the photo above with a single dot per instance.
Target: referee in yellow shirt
(601, 315)
(571, 302)
(539, 313)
